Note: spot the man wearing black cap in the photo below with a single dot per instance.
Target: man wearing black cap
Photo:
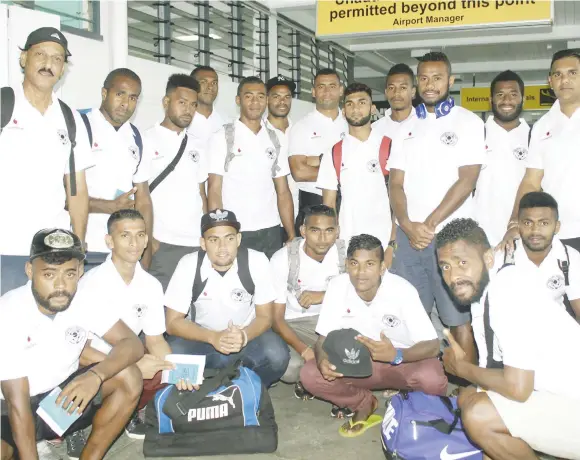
(248, 167)
(39, 150)
(44, 327)
(220, 300)
(384, 314)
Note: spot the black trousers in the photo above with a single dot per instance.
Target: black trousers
(267, 240)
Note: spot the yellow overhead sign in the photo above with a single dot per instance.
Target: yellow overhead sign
(537, 97)
(344, 17)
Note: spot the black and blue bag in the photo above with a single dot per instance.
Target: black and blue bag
(231, 413)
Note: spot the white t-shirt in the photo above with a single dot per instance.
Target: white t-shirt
(202, 127)
(45, 350)
(530, 332)
(34, 157)
(554, 149)
(548, 275)
(389, 127)
(312, 276)
(248, 186)
(314, 135)
(363, 209)
(118, 166)
(430, 151)
(396, 311)
(500, 177)
(139, 304)
(177, 204)
(224, 298)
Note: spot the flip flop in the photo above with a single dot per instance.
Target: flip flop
(373, 420)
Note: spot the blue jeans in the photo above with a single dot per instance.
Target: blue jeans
(267, 355)
(12, 274)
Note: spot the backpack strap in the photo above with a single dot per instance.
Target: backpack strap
(244, 270)
(139, 142)
(7, 102)
(230, 134)
(170, 167)
(489, 334)
(198, 284)
(294, 266)
(337, 159)
(276, 142)
(87, 123)
(529, 137)
(384, 153)
(341, 248)
(71, 128)
(564, 266)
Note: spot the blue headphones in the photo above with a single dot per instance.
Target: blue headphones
(441, 109)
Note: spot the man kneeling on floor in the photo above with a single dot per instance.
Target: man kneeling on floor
(219, 303)
(529, 367)
(385, 314)
(44, 327)
(301, 272)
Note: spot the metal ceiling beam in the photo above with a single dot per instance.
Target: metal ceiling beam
(499, 66)
(558, 33)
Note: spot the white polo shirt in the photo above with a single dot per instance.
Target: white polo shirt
(430, 151)
(396, 311)
(314, 135)
(500, 177)
(34, 157)
(202, 127)
(312, 276)
(248, 186)
(548, 275)
(117, 168)
(554, 149)
(389, 127)
(364, 209)
(46, 350)
(224, 297)
(177, 204)
(139, 304)
(530, 332)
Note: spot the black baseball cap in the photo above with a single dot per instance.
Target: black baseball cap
(219, 217)
(56, 241)
(47, 34)
(280, 81)
(351, 358)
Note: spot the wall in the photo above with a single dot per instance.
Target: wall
(92, 60)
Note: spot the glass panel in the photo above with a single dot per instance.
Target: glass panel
(76, 14)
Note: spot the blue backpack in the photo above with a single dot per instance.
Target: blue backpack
(418, 426)
(231, 413)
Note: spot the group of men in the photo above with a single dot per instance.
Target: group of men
(288, 246)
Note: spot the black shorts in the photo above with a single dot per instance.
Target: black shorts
(43, 431)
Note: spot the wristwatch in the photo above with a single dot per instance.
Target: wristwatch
(392, 244)
(398, 358)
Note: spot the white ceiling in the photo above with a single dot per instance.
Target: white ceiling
(475, 54)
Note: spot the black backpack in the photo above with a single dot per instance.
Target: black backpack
(7, 108)
(243, 273)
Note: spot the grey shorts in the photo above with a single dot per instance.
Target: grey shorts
(12, 274)
(421, 270)
(165, 260)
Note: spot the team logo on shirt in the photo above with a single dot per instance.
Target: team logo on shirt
(239, 295)
(449, 138)
(520, 153)
(351, 356)
(391, 321)
(75, 335)
(555, 282)
(134, 151)
(63, 136)
(270, 153)
(193, 155)
(140, 310)
(373, 166)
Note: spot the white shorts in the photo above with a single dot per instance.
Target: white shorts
(547, 422)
